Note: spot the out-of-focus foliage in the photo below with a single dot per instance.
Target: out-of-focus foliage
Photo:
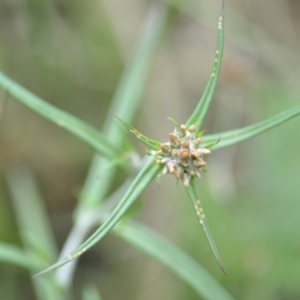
(71, 53)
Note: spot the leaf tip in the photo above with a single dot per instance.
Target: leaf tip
(223, 269)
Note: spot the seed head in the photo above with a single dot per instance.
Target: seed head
(183, 155)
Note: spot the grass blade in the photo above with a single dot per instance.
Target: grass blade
(232, 137)
(78, 128)
(127, 98)
(199, 113)
(148, 142)
(192, 191)
(30, 212)
(154, 245)
(124, 104)
(143, 179)
(46, 288)
(35, 230)
(13, 255)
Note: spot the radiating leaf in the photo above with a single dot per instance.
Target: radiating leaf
(127, 98)
(86, 133)
(173, 121)
(212, 144)
(201, 133)
(142, 180)
(192, 192)
(199, 113)
(148, 142)
(232, 137)
(156, 246)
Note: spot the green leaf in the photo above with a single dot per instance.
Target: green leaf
(232, 137)
(35, 231)
(156, 246)
(173, 121)
(78, 128)
(199, 113)
(192, 191)
(142, 180)
(13, 255)
(212, 144)
(128, 95)
(148, 142)
(201, 133)
(127, 98)
(31, 213)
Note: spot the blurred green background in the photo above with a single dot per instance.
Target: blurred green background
(72, 54)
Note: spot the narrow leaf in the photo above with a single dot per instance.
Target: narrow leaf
(199, 113)
(78, 128)
(192, 191)
(157, 247)
(143, 179)
(212, 144)
(127, 98)
(148, 142)
(232, 137)
(201, 133)
(35, 231)
(125, 104)
(173, 121)
(128, 94)
(31, 213)
(13, 255)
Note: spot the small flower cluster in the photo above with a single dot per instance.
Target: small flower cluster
(183, 155)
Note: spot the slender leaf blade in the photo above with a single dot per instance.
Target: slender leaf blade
(212, 144)
(199, 113)
(157, 247)
(84, 132)
(128, 94)
(31, 213)
(192, 192)
(18, 257)
(232, 137)
(127, 98)
(125, 104)
(148, 142)
(142, 180)
(35, 230)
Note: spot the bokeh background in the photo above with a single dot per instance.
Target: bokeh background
(72, 54)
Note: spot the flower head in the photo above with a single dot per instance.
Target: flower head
(182, 155)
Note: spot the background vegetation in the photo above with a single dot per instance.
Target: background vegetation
(72, 54)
